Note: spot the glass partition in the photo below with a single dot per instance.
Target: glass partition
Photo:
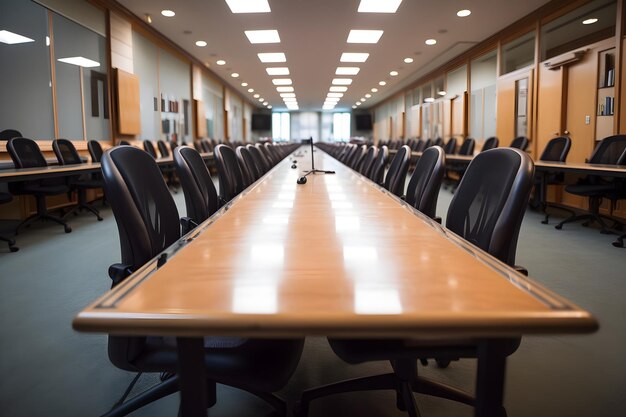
(483, 74)
(519, 53)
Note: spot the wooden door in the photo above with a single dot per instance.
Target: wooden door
(511, 119)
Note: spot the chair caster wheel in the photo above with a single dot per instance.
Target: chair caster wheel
(558, 226)
(100, 219)
(68, 229)
(13, 248)
(443, 363)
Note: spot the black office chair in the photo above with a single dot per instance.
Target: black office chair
(148, 146)
(424, 185)
(7, 198)
(357, 158)
(200, 195)
(7, 134)
(427, 144)
(619, 243)
(438, 142)
(25, 153)
(248, 166)
(450, 146)
(260, 161)
(147, 222)
(368, 161)
(206, 146)
(67, 155)
(378, 169)
(487, 210)
(167, 170)
(396, 175)
(610, 151)
(269, 153)
(266, 153)
(124, 143)
(520, 142)
(556, 150)
(490, 143)
(467, 149)
(95, 150)
(231, 179)
(163, 150)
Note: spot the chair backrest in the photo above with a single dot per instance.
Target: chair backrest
(200, 193)
(248, 177)
(247, 164)
(520, 142)
(173, 145)
(423, 188)
(357, 159)
(611, 151)
(438, 142)
(65, 152)
(269, 153)
(266, 153)
(149, 147)
(95, 150)
(420, 145)
(197, 145)
(467, 147)
(490, 143)
(556, 149)
(206, 146)
(368, 161)
(25, 153)
(262, 163)
(124, 143)
(489, 204)
(7, 134)
(378, 168)
(450, 146)
(427, 144)
(396, 176)
(163, 149)
(229, 173)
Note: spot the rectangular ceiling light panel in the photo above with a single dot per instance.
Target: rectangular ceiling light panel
(81, 61)
(281, 81)
(277, 71)
(342, 81)
(263, 36)
(347, 70)
(364, 36)
(13, 38)
(272, 57)
(249, 6)
(379, 6)
(338, 89)
(354, 57)
(284, 89)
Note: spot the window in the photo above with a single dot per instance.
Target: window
(280, 127)
(519, 53)
(341, 126)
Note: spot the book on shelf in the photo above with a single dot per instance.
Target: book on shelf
(607, 108)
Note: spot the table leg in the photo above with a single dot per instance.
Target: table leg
(490, 378)
(193, 401)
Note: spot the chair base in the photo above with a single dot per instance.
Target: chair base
(619, 243)
(11, 243)
(83, 205)
(590, 219)
(30, 220)
(544, 206)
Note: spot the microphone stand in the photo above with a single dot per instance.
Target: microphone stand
(313, 170)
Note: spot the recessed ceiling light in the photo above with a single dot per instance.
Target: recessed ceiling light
(408, 60)
(377, 6)
(234, 75)
(201, 44)
(335, 94)
(363, 99)
(250, 90)
(263, 36)
(265, 103)
(281, 81)
(364, 36)
(272, 57)
(277, 71)
(354, 107)
(269, 107)
(244, 84)
(220, 62)
(347, 70)
(463, 13)
(590, 21)
(338, 89)
(374, 90)
(13, 38)
(429, 99)
(256, 96)
(168, 13)
(430, 41)
(342, 81)
(81, 61)
(249, 6)
(261, 99)
(358, 103)
(284, 89)
(148, 18)
(354, 57)
(283, 95)
(368, 95)
(442, 93)
(393, 73)
(382, 83)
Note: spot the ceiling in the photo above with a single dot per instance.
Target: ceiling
(313, 36)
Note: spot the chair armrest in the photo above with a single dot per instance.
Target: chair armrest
(403, 197)
(187, 224)
(521, 270)
(118, 272)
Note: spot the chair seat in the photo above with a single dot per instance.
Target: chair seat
(590, 189)
(357, 351)
(260, 365)
(45, 189)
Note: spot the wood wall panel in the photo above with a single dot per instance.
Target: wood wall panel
(199, 119)
(127, 100)
(121, 43)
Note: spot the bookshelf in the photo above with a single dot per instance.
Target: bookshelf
(605, 94)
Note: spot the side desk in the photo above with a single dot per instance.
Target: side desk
(337, 256)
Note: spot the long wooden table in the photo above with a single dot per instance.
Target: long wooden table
(337, 256)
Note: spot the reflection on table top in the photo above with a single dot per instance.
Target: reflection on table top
(336, 256)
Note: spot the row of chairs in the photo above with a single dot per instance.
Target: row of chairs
(420, 145)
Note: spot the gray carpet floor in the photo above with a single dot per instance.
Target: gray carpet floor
(47, 369)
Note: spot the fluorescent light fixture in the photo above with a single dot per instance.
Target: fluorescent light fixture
(429, 99)
(272, 57)
(288, 95)
(382, 83)
(201, 44)
(244, 84)
(332, 98)
(234, 75)
(368, 95)
(463, 13)
(342, 81)
(335, 94)
(284, 89)
(378, 6)
(442, 93)
(430, 41)
(13, 38)
(80, 61)
(220, 62)
(590, 21)
(249, 6)
(263, 36)
(256, 96)
(393, 73)
(281, 81)
(250, 90)
(408, 60)
(290, 99)
(338, 89)
(168, 13)
(364, 36)
(374, 90)
(277, 71)
(347, 70)
(354, 57)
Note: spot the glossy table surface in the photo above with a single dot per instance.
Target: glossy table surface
(337, 256)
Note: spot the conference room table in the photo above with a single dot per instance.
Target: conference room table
(337, 256)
